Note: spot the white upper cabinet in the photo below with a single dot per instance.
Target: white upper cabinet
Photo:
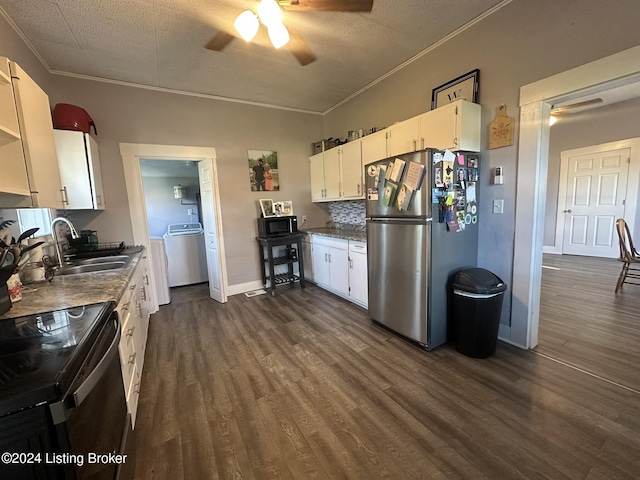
(79, 164)
(336, 174)
(374, 147)
(332, 174)
(30, 176)
(325, 176)
(351, 169)
(403, 137)
(455, 126)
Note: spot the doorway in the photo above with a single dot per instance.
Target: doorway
(535, 104)
(211, 215)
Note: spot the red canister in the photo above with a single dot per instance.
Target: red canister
(72, 117)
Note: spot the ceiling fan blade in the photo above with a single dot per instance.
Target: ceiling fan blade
(586, 103)
(299, 48)
(327, 5)
(219, 41)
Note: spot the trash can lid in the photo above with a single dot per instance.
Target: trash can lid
(478, 280)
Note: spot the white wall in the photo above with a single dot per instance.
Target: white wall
(522, 42)
(162, 208)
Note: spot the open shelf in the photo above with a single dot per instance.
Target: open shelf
(284, 278)
(7, 136)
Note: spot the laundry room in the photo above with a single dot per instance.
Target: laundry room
(172, 201)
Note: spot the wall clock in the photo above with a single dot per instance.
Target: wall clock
(464, 87)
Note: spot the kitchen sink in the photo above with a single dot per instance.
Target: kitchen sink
(93, 265)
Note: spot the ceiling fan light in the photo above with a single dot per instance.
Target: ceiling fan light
(278, 34)
(247, 25)
(269, 12)
(552, 120)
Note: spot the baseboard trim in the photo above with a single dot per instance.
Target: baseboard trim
(239, 288)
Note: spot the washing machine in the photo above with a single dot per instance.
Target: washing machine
(186, 256)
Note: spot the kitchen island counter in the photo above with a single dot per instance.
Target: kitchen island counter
(66, 291)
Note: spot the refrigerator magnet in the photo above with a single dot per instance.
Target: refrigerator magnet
(449, 156)
(467, 218)
(437, 157)
(447, 168)
(437, 177)
(372, 194)
(474, 219)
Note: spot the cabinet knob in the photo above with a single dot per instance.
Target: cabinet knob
(358, 189)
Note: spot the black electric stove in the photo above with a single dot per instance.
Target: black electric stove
(40, 355)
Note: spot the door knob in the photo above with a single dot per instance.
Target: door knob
(567, 211)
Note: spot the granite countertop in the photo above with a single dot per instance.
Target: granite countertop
(356, 235)
(67, 291)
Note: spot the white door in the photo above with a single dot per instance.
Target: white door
(595, 197)
(211, 228)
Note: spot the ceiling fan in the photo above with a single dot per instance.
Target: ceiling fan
(269, 13)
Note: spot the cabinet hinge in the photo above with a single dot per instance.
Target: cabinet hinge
(456, 110)
(624, 202)
(628, 160)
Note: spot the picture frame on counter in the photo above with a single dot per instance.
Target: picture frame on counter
(266, 205)
(463, 87)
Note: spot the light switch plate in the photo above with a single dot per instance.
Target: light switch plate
(498, 206)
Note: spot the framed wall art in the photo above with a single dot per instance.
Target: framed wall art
(266, 205)
(264, 175)
(464, 87)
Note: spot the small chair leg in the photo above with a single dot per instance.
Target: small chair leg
(623, 276)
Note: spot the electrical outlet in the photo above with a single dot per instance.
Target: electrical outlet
(304, 219)
(498, 206)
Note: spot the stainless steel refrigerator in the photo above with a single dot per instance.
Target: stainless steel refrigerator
(422, 228)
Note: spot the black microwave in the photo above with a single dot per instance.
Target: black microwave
(277, 226)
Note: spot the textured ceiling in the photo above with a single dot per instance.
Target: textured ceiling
(160, 43)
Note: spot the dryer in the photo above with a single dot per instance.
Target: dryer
(186, 255)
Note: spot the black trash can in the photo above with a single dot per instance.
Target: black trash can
(477, 303)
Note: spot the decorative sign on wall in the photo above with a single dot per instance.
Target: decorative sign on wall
(464, 87)
(263, 171)
(501, 129)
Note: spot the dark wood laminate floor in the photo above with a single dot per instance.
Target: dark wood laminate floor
(584, 323)
(304, 386)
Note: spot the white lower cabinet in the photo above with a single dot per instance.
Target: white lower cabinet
(358, 287)
(340, 266)
(331, 264)
(134, 322)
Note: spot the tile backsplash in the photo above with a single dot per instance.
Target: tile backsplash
(351, 212)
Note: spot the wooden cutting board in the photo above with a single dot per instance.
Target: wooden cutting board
(501, 129)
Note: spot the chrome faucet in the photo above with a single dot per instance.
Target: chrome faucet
(54, 235)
